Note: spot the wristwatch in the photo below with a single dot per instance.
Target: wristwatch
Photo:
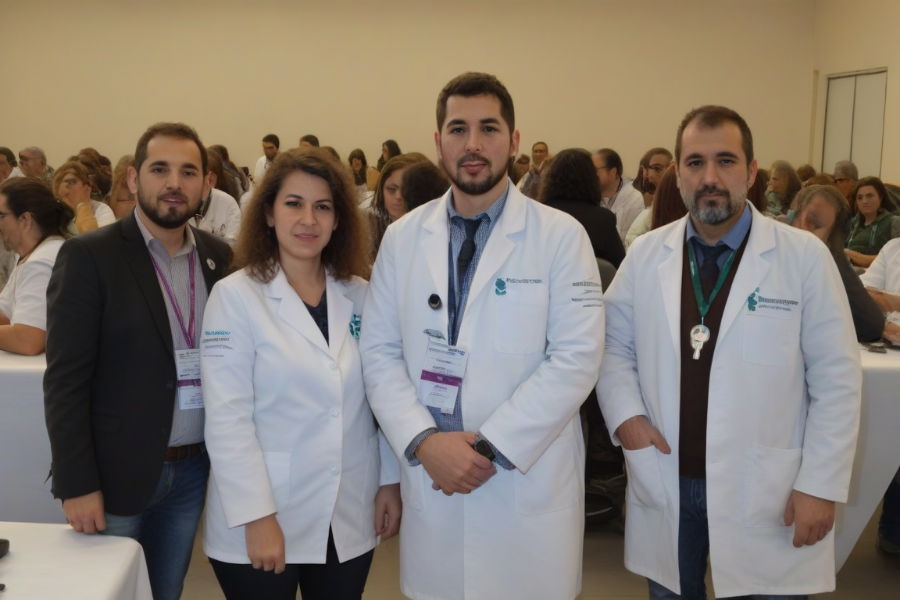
(483, 448)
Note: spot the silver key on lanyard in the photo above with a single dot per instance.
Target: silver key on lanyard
(699, 335)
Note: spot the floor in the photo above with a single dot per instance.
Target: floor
(867, 575)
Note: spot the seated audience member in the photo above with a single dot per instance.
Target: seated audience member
(783, 186)
(287, 310)
(622, 199)
(531, 180)
(72, 185)
(823, 211)
(872, 226)
(388, 204)
(309, 141)
(757, 192)
(423, 182)
(519, 168)
(241, 181)
(219, 214)
(8, 165)
(650, 170)
(389, 149)
(121, 199)
(565, 185)
(804, 172)
(220, 181)
(33, 225)
(845, 177)
(360, 169)
(822, 179)
(668, 205)
(270, 145)
(99, 171)
(33, 163)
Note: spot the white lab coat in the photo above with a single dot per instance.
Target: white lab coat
(288, 427)
(784, 395)
(534, 354)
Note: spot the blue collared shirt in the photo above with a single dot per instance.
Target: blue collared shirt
(457, 302)
(733, 238)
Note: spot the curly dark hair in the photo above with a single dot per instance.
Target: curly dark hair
(347, 252)
(571, 176)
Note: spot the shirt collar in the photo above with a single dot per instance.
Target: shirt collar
(492, 213)
(189, 242)
(734, 237)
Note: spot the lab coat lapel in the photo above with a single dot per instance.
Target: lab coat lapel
(340, 309)
(293, 312)
(670, 272)
(435, 247)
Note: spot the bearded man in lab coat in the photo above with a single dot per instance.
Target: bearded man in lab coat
(731, 377)
(483, 336)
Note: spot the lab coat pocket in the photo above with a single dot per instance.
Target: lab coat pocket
(553, 482)
(521, 319)
(645, 482)
(278, 468)
(770, 477)
(412, 485)
(771, 342)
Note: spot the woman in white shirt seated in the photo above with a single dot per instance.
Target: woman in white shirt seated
(302, 481)
(72, 186)
(33, 225)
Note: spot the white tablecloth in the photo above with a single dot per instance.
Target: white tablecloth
(52, 561)
(877, 451)
(24, 445)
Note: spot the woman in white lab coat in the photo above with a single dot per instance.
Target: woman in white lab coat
(302, 482)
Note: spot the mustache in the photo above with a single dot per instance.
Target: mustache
(176, 194)
(472, 156)
(711, 189)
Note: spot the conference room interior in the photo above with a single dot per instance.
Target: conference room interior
(583, 74)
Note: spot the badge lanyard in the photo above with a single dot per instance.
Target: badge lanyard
(703, 304)
(187, 332)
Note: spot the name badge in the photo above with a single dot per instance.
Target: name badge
(442, 375)
(187, 367)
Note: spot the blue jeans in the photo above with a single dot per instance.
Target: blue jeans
(168, 525)
(693, 548)
(889, 523)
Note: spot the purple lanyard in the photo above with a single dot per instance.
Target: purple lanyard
(188, 331)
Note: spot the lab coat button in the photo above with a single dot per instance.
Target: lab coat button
(334, 470)
(334, 366)
(334, 412)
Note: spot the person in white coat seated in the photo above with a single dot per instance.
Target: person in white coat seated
(270, 145)
(731, 377)
(302, 484)
(33, 227)
(482, 338)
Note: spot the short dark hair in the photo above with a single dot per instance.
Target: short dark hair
(347, 252)
(10, 157)
(472, 84)
(272, 139)
(311, 140)
(804, 172)
(423, 182)
(34, 196)
(612, 160)
(179, 131)
(710, 117)
(570, 177)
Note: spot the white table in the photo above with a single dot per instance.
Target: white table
(877, 451)
(52, 561)
(24, 445)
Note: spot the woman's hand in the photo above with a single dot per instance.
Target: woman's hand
(388, 507)
(265, 544)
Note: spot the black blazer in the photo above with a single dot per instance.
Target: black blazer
(600, 224)
(109, 388)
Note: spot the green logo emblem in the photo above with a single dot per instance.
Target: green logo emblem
(500, 287)
(751, 301)
(355, 324)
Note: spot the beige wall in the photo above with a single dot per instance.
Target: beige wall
(582, 72)
(857, 37)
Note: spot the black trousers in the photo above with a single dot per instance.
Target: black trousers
(331, 581)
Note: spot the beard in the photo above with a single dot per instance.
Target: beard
(167, 217)
(715, 213)
(474, 187)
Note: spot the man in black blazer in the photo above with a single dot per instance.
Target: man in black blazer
(122, 394)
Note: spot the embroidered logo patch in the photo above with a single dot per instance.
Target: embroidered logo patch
(355, 324)
(751, 301)
(500, 287)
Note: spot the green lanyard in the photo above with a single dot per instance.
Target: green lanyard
(703, 304)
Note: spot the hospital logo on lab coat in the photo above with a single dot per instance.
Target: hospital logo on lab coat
(355, 324)
(751, 301)
(500, 287)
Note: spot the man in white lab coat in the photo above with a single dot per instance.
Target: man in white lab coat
(731, 377)
(483, 336)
